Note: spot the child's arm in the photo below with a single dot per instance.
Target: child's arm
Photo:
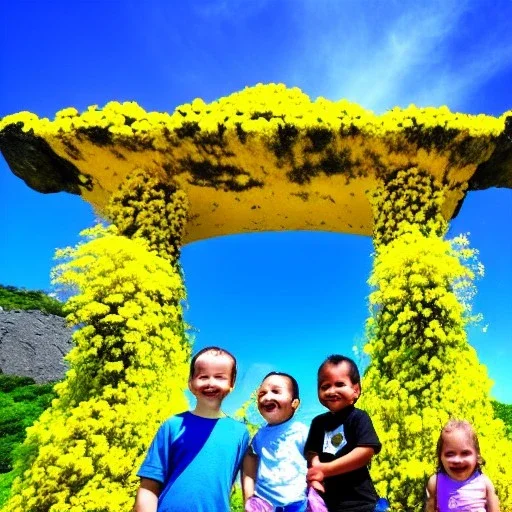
(357, 458)
(493, 504)
(249, 470)
(430, 503)
(317, 477)
(147, 496)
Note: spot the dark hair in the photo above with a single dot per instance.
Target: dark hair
(295, 385)
(470, 431)
(218, 352)
(336, 359)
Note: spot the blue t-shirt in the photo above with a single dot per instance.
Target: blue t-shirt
(196, 460)
(281, 477)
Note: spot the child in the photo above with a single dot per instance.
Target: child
(459, 483)
(274, 475)
(342, 441)
(195, 456)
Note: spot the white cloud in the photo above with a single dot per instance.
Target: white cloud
(412, 41)
(382, 54)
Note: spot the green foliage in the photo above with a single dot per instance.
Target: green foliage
(6, 480)
(128, 370)
(249, 415)
(10, 382)
(237, 499)
(504, 413)
(21, 403)
(16, 298)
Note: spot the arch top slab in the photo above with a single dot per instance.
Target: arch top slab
(266, 158)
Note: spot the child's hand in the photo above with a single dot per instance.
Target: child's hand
(315, 474)
(318, 486)
(315, 478)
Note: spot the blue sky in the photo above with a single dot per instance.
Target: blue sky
(279, 301)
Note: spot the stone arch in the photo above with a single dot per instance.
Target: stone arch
(270, 159)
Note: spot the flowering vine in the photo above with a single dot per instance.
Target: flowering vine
(422, 369)
(128, 371)
(149, 208)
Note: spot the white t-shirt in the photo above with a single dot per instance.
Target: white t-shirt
(281, 477)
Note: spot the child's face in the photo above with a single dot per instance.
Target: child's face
(335, 388)
(458, 454)
(275, 399)
(211, 381)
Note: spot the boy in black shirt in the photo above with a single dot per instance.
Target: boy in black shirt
(342, 441)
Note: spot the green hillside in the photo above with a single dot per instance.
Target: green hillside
(17, 298)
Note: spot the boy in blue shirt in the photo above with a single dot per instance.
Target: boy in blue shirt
(193, 460)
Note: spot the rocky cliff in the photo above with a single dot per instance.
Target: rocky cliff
(33, 344)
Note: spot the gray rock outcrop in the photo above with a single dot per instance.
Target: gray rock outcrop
(33, 344)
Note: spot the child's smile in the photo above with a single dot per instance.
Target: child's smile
(269, 407)
(458, 455)
(211, 393)
(211, 381)
(335, 388)
(275, 401)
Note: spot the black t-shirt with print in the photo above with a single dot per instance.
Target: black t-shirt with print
(333, 435)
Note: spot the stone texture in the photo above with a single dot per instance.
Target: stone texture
(497, 171)
(33, 344)
(33, 160)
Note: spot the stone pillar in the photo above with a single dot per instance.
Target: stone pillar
(422, 370)
(150, 208)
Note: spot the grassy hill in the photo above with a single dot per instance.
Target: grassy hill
(17, 298)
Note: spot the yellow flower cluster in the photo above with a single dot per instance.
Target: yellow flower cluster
(258, 109)
(128, 370)
(422, 370)
(411, 197)
(147, 207)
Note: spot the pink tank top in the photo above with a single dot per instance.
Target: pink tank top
(467, 496)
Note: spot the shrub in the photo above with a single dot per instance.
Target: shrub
(21, 403)
(16, 298)
(504, 413)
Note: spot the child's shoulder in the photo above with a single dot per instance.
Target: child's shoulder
(486, 481)
(431, 485)
(172, 424)
(236, 431)
(347, 414)
(358, 414)
(177, 419)
(289, 425)
(298, 426)
(322, 417)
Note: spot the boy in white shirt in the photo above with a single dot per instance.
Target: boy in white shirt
(274, 468)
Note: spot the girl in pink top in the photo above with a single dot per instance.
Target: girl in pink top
(459, 485)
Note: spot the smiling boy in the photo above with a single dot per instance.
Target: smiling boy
(342, 441)
(275, 468)
(193, 460)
